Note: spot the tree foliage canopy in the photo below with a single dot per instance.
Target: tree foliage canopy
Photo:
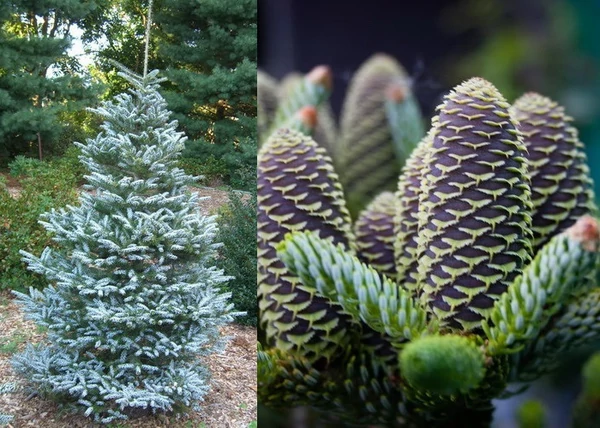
(39, 84)
(208, 50)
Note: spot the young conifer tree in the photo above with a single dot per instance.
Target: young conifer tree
(134, 297)
(4, 388)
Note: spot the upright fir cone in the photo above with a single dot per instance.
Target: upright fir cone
(365, 154)
(298, 190)
(374, 230)
(474, 207)
(406, 221)
(561, 187)
(267, 101)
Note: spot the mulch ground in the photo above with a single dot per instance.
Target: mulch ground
(231, 403)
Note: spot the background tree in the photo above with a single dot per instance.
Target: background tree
(39, 85)
(211, 52)
(208, 52)
(115, 31)
(237, 256)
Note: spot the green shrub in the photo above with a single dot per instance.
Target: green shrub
(69, 166)
(23, 166)
(19, 227)
(212, 169)
(244, 178)
(243, 164)
(234, 164)
(237, 256)
(78, 124)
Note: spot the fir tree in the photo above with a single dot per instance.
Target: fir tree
(211, 52)
(4, 388)
(37, 77)
(210, 49)
(134, 299)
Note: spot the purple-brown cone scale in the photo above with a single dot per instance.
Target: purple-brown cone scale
(474, 207)
(406, 221)
(561, 187)
(298, 190)
(374, 230)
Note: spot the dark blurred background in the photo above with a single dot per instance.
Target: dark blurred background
(548, 46)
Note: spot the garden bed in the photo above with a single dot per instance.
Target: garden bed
(215, 197)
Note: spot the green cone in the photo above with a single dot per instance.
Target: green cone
(532, 414)
(365, 154)
(444, 365)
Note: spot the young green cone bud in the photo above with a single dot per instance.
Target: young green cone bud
(442, 365)
(532, 414)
